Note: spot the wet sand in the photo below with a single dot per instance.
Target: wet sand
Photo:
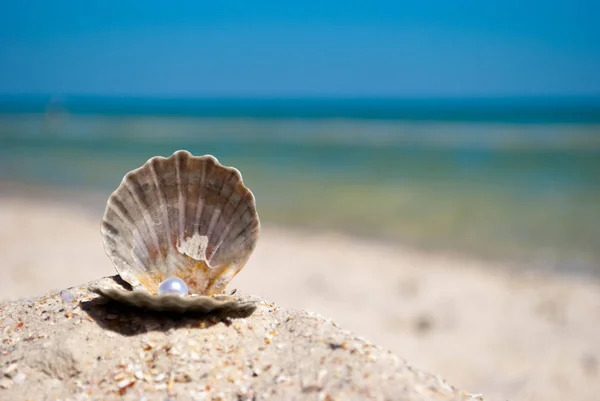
(505, 333)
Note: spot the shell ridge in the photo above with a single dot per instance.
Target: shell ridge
(242, 229)
(181, 202)
(208, 194)
(111, 239)
(231, 183)
(249, 201)
(139, 245)
(225, 234)
(139, 262)
(213, 223)
(112, 205)
(149, 228)
(239, 238)
(218, 212)
(110, 231)
(215, 249)
(234, 244)
(163, 208)
(200, 203)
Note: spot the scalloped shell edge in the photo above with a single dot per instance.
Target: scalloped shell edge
(199, 304)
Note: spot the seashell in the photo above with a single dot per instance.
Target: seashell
(177, 304)
(182, 224)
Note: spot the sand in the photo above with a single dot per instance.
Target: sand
(73, 345)
(505, 333)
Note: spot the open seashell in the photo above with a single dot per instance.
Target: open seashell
(182, 217)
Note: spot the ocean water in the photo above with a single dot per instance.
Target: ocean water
(507, 180)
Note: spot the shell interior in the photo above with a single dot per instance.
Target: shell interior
(183, 216)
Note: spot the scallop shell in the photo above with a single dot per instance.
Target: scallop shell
(218, 304)
(182, 216)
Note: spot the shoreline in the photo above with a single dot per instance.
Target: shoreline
(92, 201)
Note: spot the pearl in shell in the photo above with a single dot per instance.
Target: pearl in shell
(173, 285)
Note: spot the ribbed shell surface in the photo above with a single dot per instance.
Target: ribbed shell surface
(218, 304)
(182, 216)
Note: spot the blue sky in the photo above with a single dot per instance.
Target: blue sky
(428, 48)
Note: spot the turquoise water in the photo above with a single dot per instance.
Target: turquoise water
(524, 188)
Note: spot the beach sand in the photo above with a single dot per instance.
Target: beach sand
(505, 333)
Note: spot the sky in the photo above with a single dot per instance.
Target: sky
(428, 48)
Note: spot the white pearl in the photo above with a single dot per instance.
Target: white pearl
(173, 285)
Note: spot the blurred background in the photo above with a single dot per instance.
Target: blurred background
(469, 126)
(461, 127)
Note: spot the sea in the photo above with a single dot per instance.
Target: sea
(515, 179)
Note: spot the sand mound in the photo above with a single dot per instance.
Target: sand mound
(74, 345)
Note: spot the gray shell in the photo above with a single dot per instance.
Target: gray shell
(182, 216)
(219, 304)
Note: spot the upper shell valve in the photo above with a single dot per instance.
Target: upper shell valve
(184, 218)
